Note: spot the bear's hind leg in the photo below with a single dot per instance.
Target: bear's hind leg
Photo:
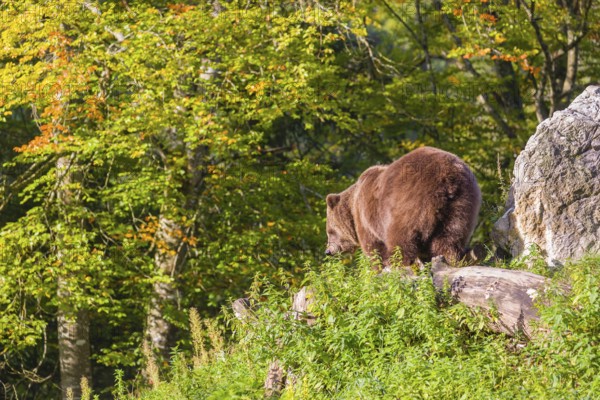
(451, 236)
(447, 246)
(450, 241)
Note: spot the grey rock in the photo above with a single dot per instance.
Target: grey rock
(554, 199)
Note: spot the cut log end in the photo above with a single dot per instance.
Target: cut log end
(301, 305)
(275, 380)
(242, 309)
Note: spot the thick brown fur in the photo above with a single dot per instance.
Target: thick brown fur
(426, 203)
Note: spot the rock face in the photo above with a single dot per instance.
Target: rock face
(554, 200)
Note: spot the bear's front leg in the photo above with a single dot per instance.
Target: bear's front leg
(377, 249)
(372, 247)
(406, 241)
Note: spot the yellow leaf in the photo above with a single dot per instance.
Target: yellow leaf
(454, 80)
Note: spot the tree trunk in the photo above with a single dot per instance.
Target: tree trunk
(73, 324)
(466, 65)
(74, 349)
(508, 94)
(171, 248)
(170, 253)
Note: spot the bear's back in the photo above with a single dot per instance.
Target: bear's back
(423, 172)
(420, 185)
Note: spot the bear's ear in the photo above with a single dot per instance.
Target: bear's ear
(333, 200)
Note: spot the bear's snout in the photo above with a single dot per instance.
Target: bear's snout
(332, 249)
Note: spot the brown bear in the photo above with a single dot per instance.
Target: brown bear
(426, 203)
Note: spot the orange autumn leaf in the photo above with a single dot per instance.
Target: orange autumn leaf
(180, 8)
(39, 142)
(488, 18)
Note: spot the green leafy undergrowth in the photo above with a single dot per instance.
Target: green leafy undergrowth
(385, 336)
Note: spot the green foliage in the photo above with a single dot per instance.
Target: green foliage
(385, 336)
(568, 359)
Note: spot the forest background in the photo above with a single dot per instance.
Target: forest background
(159, 155)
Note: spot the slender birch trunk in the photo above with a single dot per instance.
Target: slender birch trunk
(73, 324)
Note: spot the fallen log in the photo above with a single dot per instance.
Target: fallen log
(510, 294)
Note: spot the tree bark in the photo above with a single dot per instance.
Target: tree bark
(275, 379)
(277, 376)
(74, 349)
(300, 305)
(556, 80)
(508, 94)
(73, 323)
(171, 248)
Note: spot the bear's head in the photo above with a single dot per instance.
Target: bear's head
(341, 234)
